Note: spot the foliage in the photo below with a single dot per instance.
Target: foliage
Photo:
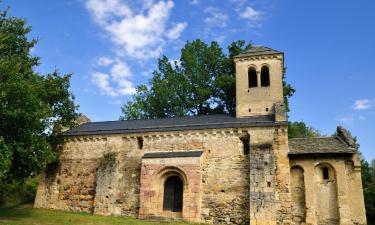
(15, 193)
(26, 214)
(201, 83)
(31, 104)
(301, 130)
(368, 183)
(109, 159)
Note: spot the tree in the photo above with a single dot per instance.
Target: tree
(201, 83)
(301, 130)
(31, 104)
(368, 183)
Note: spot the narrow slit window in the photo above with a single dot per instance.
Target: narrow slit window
(253, 79)
(325, 173)
(265, 77)
(140, 142)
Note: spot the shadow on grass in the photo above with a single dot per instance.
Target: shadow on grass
(16, 212)
(27, 215)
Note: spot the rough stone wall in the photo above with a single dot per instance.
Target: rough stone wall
(225, 173)
(262, 183)
(120, 182)
(269, 176)
(106, 175)
(338, 200)
(225, 181)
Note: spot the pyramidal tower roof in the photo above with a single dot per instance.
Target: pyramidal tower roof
(257, 51)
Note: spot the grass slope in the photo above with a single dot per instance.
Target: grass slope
(27, 215)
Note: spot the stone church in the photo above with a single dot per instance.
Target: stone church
(211, 169)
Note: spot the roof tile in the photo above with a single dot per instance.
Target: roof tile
(319, 145)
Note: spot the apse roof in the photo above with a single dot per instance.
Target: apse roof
(319, 145)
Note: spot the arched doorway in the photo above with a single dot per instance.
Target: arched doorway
(173, 194)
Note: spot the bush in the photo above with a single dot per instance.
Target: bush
(14, 192)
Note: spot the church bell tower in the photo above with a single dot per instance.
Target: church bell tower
(259, 83)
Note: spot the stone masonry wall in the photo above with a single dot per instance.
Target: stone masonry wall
(225, 173)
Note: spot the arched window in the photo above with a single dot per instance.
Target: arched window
(252, 77)
(173, 194)
(265, 77)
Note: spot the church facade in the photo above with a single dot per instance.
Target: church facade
(211, 169)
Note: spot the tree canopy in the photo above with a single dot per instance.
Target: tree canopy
(301, 130)
(202, 82)
(368, 183)
(31, 104)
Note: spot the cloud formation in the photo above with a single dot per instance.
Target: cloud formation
(215, 17)
(138, 33)
(116, 82)
(363, 104)
(250, 14)
(141, 33)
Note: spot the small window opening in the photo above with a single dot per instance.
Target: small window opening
(249, 110)
(253, 79)
(140, 142)
(222, 190)
(245, 139)
(266, 109)
(265, 77)
(268, 184)
(325, 173)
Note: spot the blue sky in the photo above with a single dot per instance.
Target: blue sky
(112, 46)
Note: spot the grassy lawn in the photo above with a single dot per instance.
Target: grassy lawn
(26, 214)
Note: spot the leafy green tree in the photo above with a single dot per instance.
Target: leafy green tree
(201, 83)
(301, 130)
(368, 183)
(31, 104)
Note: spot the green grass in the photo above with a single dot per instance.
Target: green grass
(26, 214)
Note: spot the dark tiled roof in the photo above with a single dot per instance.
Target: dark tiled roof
(154, 155)
(256, 51)
(320, 145)
(170, 124)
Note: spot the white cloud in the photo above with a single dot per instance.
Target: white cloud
(126, 87)
(138, 30)
(120, 70)
(250, 14)
(104, 61)
(102, 81)
(176, 31)
(116, 82)
(216, 18)
(363, 104)
(140, 34)
(104, 10)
